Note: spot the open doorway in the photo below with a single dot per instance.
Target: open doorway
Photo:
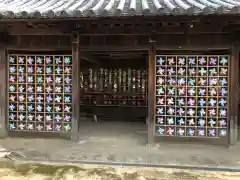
(113, 96)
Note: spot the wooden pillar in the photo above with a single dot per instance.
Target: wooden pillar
(237, 108)
(233, 95)
(75, 86)
(3, 91)
(151, 88)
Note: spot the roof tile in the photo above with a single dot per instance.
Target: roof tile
(86, 8)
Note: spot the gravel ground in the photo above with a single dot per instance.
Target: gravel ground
(16, 171)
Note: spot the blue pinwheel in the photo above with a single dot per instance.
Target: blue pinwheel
(191, 132)
(67, 99)
(12, 116)
(58, 99)
(223, 132)
(12, 107)
(49, 70)
(49, 108)
(67, 89)
(223, 61)
(58, 70)
(58, 60)
(67, 80)
(30, 98)
(222, 113)
(212, 102)
(12, 126)
(213, 71)
(40, 79)
(191, 82)
(39, 70)
(192, 61)
(67, 60)
(12, 60)
(12, 88)
(30, 108)
(159, 110)
(223, 82)
(181, 81)
(39, 60)
(160, 131)
(180, 102)
(58, 118)
(223, 92)
(12, 69)
(222, 102)
(211, 122)
(202, 102)
(181, 122)
(160, 60)
(21, 69)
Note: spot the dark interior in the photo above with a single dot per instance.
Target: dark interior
(127, 101)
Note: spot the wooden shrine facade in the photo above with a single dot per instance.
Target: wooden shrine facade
(166, 37)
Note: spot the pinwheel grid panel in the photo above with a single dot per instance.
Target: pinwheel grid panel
(40, 93)
(192, 95)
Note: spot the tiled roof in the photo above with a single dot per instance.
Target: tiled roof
(85, 8)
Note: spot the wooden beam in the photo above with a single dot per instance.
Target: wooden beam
(160, 48)
(90, 58)
(172, 19)
(38, 48)
(194, 48)
(144, 29)
(113, 48)
(89, 28)
(37, 31)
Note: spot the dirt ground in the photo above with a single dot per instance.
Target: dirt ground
(122, 142)
(115, 143)
(10, 170)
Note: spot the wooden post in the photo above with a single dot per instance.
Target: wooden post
(75, 89)
(3, 92)
(151, 89)
(234, 95)
(237, 94)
